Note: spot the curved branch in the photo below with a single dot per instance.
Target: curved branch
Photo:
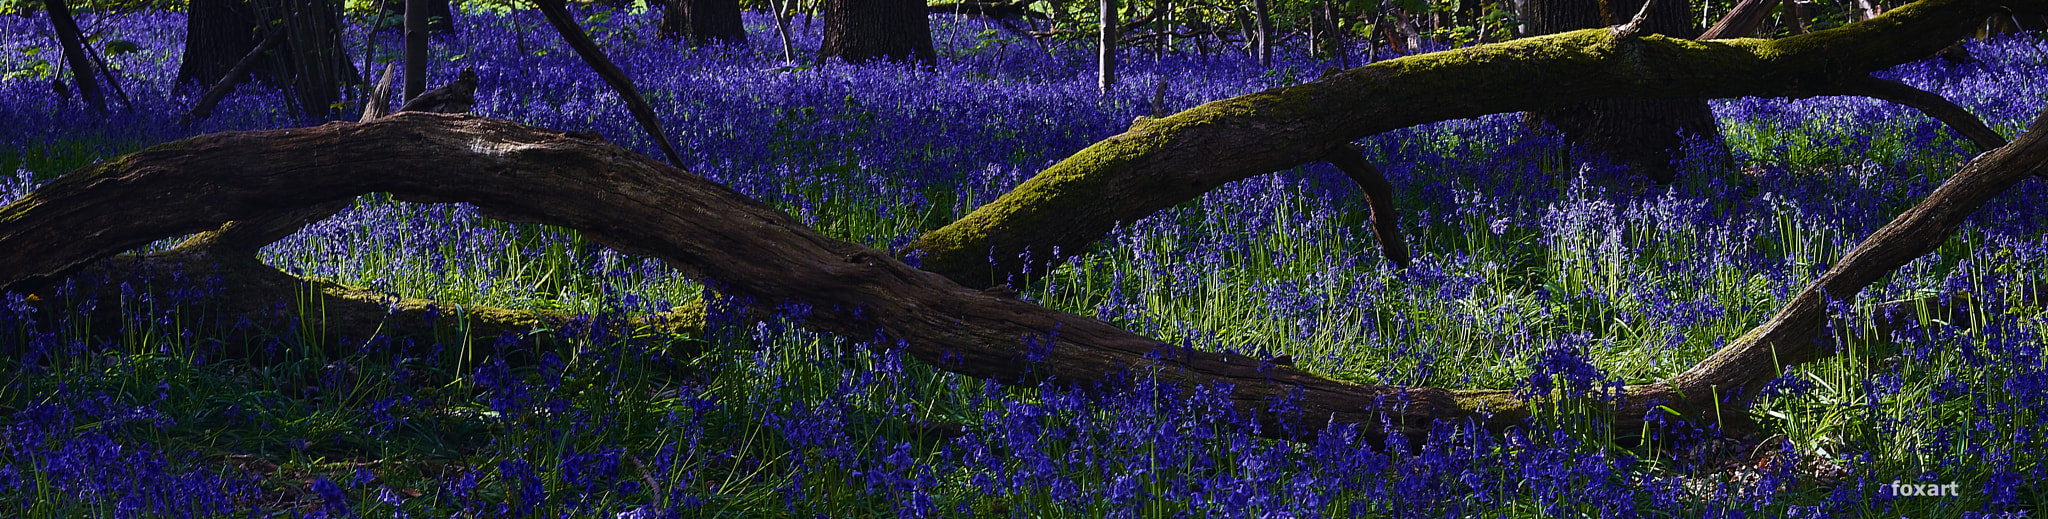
(1791, 336)
(1380, 195)
(1174, 159)
(637, 204)
(1932, 104)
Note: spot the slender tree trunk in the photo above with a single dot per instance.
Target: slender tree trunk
(858, 31)
(783, 11)
(74, 55)
(415, 48)
(1642, 133)
(1106, 36)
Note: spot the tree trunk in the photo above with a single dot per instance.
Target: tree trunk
(309, 63)
(675, 23)
(715, 21)
(415, 48)
(858, 31)
(1105, 41)
(74, 55)
(218, 33)
(1643, 133)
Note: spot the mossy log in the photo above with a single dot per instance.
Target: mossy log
(1173, 159)
(637, 204)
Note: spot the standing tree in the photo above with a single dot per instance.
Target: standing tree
(74, 55)
(1107, 34)
(415, 48)
(309, 61)
(861, 30)
(706, 21)
(1640, 132)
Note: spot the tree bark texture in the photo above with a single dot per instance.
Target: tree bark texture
(74, 55)
(309, 62)
(415, 48)
(1641, 132)
(312, 57)
(218, 33)
(220, 89)
(858, 31)
(714, 21)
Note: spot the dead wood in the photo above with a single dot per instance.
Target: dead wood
(636, 204)
(1379, 194)
(1174, 159)
(1932, 104)
(558, 16)
(379, 102)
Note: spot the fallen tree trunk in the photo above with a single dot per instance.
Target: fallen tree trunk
(636, 204)
(1167, 161)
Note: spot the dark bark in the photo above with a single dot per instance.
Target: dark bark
(1107, 34)
(858, 31)
(1386, 226)
(415, 48)
(1644, 133)
(311, 62)
(1262, 15)
(308, 62)
(81, 67)
(218, 33)
(706, 22)
(675, 24)
(558, 16)
(220, 89)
